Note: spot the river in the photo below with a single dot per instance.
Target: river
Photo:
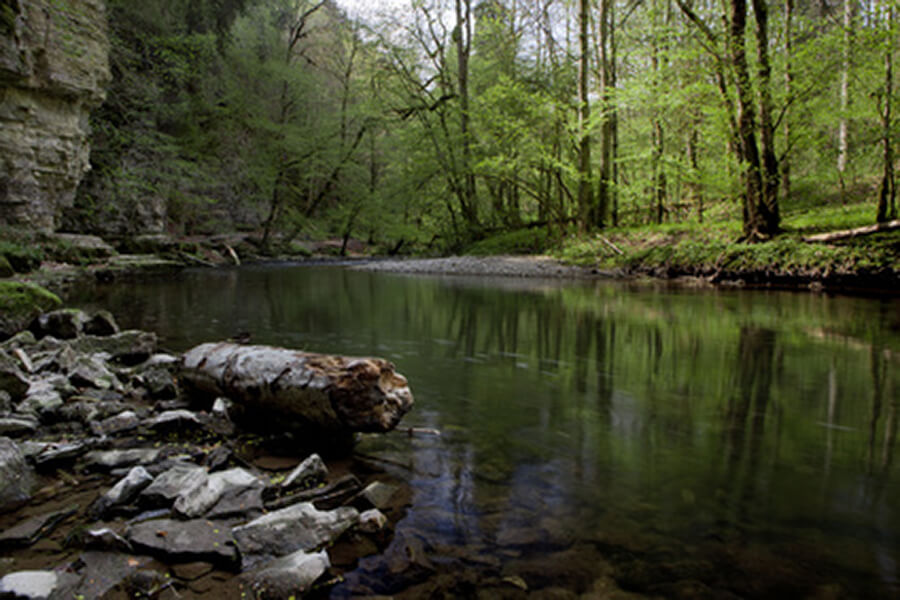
(599, 437)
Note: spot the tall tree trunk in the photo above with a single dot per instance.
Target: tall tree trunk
(887, 190)
(788, 90)
(755, 225)
(695, 191)
(613, 118)
(585, 190)
(463, 48)
(605, 184)
(844, 97)
(767, 129)
(659, 175)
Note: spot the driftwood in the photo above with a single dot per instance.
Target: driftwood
(287, 389)
(845, 234)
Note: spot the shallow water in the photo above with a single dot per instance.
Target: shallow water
(598, 437)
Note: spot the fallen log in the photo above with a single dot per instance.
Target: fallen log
(292, 390)
(845, 234)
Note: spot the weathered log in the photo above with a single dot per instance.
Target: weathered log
(846, 234)
(290, 389)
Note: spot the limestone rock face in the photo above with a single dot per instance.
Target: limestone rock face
(53, 70)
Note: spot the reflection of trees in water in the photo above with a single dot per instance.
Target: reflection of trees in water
(748, 406)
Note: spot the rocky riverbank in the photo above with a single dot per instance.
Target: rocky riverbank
(117, 484)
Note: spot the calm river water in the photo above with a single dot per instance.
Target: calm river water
(599, 437)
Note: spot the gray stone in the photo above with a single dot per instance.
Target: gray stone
(36, 585)
(116, 459)
(181, 479)
(63, 324)
(16, 477)
(101, 571)
(101, 324)
(92, 372)
(379, 494)
(125, 491)
(172, 420)
(226, 493)
(17, 426)
(6, 404)
(372, 521)
(124, 421)
(56, 453)
(60, 359)
(30, 530)
(290, 576)
(129, 347)
(311, 472)
(42, 399)
(159, 383)
(12, 379)
(22, 340)
(298, 527)
(221, 408)
(24, 360)
(185, 541)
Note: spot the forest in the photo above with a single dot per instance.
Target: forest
(441, 127)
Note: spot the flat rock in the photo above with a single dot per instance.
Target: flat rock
(31, 530)
(290, 576)
(100, 572)
(379, 494)
(124, 421)
(298, 527)
(181, 479)
(56, 453)
(37, 585)
(128, 347)
(185, 541)
(16, 476)
(173, 420)
(17, 426)
(226, 493)
(116, 459)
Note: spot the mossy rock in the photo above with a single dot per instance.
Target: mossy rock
(6, 269)
(21, 303)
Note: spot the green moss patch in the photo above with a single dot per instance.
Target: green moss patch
(20, 303)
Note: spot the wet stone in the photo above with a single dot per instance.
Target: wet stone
(185, 541)
(55, 454)
(122, 422)
(64, 324)
(174, 420)
(91, 372)
(17, 426)
(192, 571)
(287, 577)
(379, 494)
(372, 521)
(12, 379)
(100, 572)
(31, 530)
(297, 527)
(159, 383)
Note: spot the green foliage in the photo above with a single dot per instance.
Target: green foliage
(534, 240)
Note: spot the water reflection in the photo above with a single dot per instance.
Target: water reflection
(651, 439)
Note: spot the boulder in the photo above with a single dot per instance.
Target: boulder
(128, 347)
(16, 477)
(185, 541)
(282, 532)
(288, 577)
(125, 491)
(63, 324)
(226, 493)
(12, 379)
(102, 324)
(292, 388)
(20, 304)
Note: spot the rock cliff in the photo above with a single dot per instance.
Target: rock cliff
(54, 69)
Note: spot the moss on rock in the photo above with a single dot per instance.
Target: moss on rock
(20, 303)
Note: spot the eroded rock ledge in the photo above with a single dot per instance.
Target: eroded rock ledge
(54, 69)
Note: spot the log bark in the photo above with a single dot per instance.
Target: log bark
(845, 234)
(292, 390)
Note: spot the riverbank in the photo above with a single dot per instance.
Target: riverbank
(118, 482)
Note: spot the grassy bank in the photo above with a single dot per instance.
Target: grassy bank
(712, 250)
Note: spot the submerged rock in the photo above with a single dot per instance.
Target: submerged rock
(288, 577)
(298, 527)
(288, 387)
